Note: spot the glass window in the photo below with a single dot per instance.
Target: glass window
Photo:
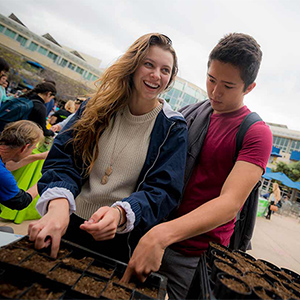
(33, 46)
(176, 93)
(79, 70)
(52, 55)
(95, 78)
(89, 76)
(1, 28)
(10, 33)
(22, 40)
(63, 62)
(71, 66)
(43, 50)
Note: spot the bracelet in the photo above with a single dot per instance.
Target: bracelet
(120, 215)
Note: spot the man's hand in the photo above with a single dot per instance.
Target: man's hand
(103, 224)
(147, 256)
(51, 227)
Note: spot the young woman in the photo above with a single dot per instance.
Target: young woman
(274, 199)
(119, 168)
(40, 95)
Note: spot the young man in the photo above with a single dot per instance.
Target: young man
(17, 141)
(4, 68)
(215, 187)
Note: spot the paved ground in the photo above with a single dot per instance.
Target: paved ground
(277, 240)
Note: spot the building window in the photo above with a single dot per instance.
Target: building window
(52, 55)
(33, 46)
(10, 33)
(71, 66)
(79, 70)
(63, 62)
(95, 78)
(295, 146)
(43, 50)
(1, 28)
(22, 40)
(89, 76)
(280, 142)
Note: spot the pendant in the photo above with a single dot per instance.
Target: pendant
(104, 179)
(108, 171)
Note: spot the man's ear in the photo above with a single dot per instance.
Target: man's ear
(250, 88)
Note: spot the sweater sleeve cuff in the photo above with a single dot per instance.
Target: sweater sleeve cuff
(54, 193)
(130, 216)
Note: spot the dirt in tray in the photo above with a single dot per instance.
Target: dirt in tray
(90, 286)
(263, 295)
(235, 285)
(39, 292)
(226, 268)
(262, 265)
(116, 292)
(150, 292)
(39, 264)
(130, 285)
(81, 263)
(281, 291)
(253, 280)
(63, 275)
(25, 243)
(9, 290)
(223, 258)
(100, 271)
(13, 255)
(246, 266)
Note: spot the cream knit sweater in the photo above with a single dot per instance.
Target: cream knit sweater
(124, 144)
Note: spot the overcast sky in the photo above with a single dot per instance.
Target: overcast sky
(106, 28)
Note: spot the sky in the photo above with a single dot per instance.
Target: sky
(106, 28)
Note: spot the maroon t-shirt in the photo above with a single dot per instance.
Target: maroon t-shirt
(215, 164)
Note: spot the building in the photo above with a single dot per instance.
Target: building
(286, 145)
(45, 52)
(183, 93)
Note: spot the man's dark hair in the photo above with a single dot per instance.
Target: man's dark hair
(240, 50)
(4, 66)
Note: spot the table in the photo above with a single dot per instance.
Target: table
(26, 177)
(262, 205)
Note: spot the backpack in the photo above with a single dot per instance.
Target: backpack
(14, 109)
(246, 217)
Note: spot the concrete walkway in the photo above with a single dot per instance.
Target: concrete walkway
(278, 241)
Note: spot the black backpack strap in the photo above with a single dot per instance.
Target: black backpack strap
(248, 121)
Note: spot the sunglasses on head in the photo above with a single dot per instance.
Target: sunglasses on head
(168, 39)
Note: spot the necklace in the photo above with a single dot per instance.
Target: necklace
(109, 169)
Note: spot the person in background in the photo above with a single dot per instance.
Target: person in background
(17, 141)
(119, 170)
(4, 68)
(63, 113)
(215, 186)
(59, 126)
(273, 199)
(49, 105)
(40, 95)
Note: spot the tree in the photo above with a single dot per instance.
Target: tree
(292, 170)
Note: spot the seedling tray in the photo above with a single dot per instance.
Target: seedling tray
(261, 277)
(77, 273)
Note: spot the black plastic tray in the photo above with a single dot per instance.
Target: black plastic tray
(88, 260)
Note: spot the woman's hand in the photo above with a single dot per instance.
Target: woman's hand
(51, 227)
(103, 224)
(147, 256)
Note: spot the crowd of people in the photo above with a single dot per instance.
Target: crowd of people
(134, 180)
